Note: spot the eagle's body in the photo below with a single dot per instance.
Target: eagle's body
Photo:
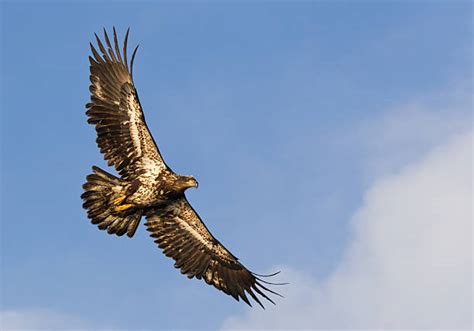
(147, 186)
(153, 191)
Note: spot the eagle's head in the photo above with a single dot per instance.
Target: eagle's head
(185, 182)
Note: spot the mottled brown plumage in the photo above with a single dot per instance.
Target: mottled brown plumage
(147, 186)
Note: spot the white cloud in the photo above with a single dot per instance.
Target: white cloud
(41, 319)
(409, 264)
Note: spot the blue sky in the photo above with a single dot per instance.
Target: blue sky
(277, 108)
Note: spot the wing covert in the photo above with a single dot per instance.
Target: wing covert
(122, 134)
(182, 235)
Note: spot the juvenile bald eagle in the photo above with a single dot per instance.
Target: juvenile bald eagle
(147, 186)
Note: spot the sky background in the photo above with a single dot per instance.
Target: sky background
(331, 140)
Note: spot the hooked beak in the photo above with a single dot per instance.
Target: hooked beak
(193, 183)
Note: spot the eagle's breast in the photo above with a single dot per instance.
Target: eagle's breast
(154, 190)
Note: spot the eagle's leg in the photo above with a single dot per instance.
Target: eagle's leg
(123, 207)
(119, 200)
(118, 203)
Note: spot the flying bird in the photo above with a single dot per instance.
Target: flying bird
(147, 187)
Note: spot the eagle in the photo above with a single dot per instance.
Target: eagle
(146, 186)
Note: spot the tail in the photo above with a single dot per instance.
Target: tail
(101, 189)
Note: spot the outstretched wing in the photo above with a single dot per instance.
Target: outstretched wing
(122, 134)
(182, 235)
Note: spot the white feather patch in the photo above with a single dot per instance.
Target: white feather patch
(183, 224)
(134, 131)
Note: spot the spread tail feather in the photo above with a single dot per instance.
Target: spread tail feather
(101, 190)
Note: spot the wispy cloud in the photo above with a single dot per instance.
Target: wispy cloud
(404, 134)
(409, 262)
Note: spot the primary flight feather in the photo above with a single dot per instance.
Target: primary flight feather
(147, 186)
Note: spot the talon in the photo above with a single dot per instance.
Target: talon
(119, 200)
(123, 207)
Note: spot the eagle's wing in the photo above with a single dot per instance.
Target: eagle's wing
(182, 235)
(122, 134)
